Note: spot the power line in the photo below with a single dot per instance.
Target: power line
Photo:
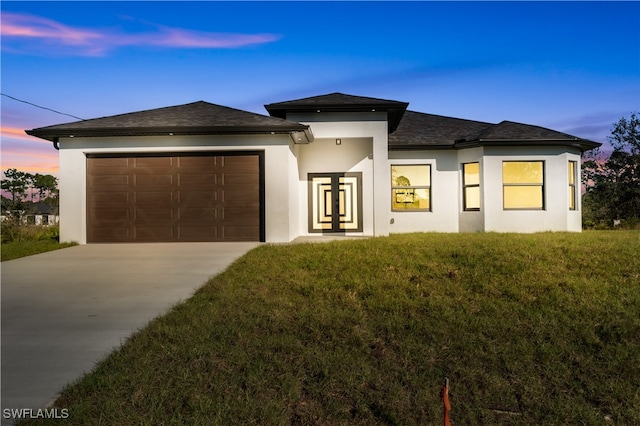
(41, 107)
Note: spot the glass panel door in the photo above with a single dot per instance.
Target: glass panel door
(335, 202)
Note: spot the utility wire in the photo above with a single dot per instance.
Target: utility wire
(41, 107)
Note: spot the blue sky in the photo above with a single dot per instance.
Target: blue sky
(569, 66)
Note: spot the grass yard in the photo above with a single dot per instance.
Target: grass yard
(530, 329)
(16, 249)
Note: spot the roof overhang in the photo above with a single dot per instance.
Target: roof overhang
(299, 133)
(416, 147)
(394, 110)
(581, 144)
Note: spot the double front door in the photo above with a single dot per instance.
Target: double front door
(335, 202)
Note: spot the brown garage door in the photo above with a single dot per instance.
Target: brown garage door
(199, 197)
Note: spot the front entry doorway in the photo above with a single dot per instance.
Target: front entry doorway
(335, 202)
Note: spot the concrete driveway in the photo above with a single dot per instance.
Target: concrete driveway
(63, 311)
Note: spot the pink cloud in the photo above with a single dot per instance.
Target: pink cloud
(28, 161)
(177, 37)
(17, 133)
(32, 159)
(30, 31)
(29, 28)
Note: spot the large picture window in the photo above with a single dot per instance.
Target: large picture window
(471, 186)
(572, 185)
(523, 185)
(411, 187)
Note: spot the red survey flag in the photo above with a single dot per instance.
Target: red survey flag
(446, 403)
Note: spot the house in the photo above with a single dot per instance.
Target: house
(330, 164)
(29, 212)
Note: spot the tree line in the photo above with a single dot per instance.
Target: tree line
(612, 183)
(26, 189)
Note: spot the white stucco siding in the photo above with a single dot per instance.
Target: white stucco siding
(443, 216)
(363, 149)
(324, 156)
(73, 194)
(555, 215)
(295, 197)
(470, 221)
(278, 158)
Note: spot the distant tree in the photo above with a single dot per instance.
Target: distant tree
(613, 183)
(46, 186)
(24, 189)
(15, 183)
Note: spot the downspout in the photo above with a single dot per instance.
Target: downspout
(55, 144)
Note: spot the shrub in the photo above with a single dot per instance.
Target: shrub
(13, 230)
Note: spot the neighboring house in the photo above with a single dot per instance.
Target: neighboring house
(38, 213)
(321, 165)
(42, 213)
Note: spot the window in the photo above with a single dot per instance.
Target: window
(471, 186)
(411, 188)
(572, 185)
(523, 185)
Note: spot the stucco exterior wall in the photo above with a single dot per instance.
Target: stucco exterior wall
(556, 215)
(324, 156)
(443, 216)
(278, 158)
(470, 221)
(363, 149)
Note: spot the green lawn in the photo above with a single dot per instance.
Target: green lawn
(17, 249)
(530, 329)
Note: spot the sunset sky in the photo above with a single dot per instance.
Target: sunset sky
(570, 66)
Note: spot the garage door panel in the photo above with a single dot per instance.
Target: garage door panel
(153, 163)
(240, 196)
(199, 197)
(240, 233)
(160, 214)
(160, 180)
(115, 198)
(199, 214)
(111, 234)
(199, 233)
(152, 197)
(240, 214)
(110, 163)
(200, 180)
(197, 163)
(111, 181)
(237, 162)
(241, 179)
(101, 215)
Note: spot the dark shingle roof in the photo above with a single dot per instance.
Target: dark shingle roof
(335, 99)
(408, 129)
(509, 133)
(419, 130)
(512, 130)
(340, 102)
(427, 131)
(193, 118)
